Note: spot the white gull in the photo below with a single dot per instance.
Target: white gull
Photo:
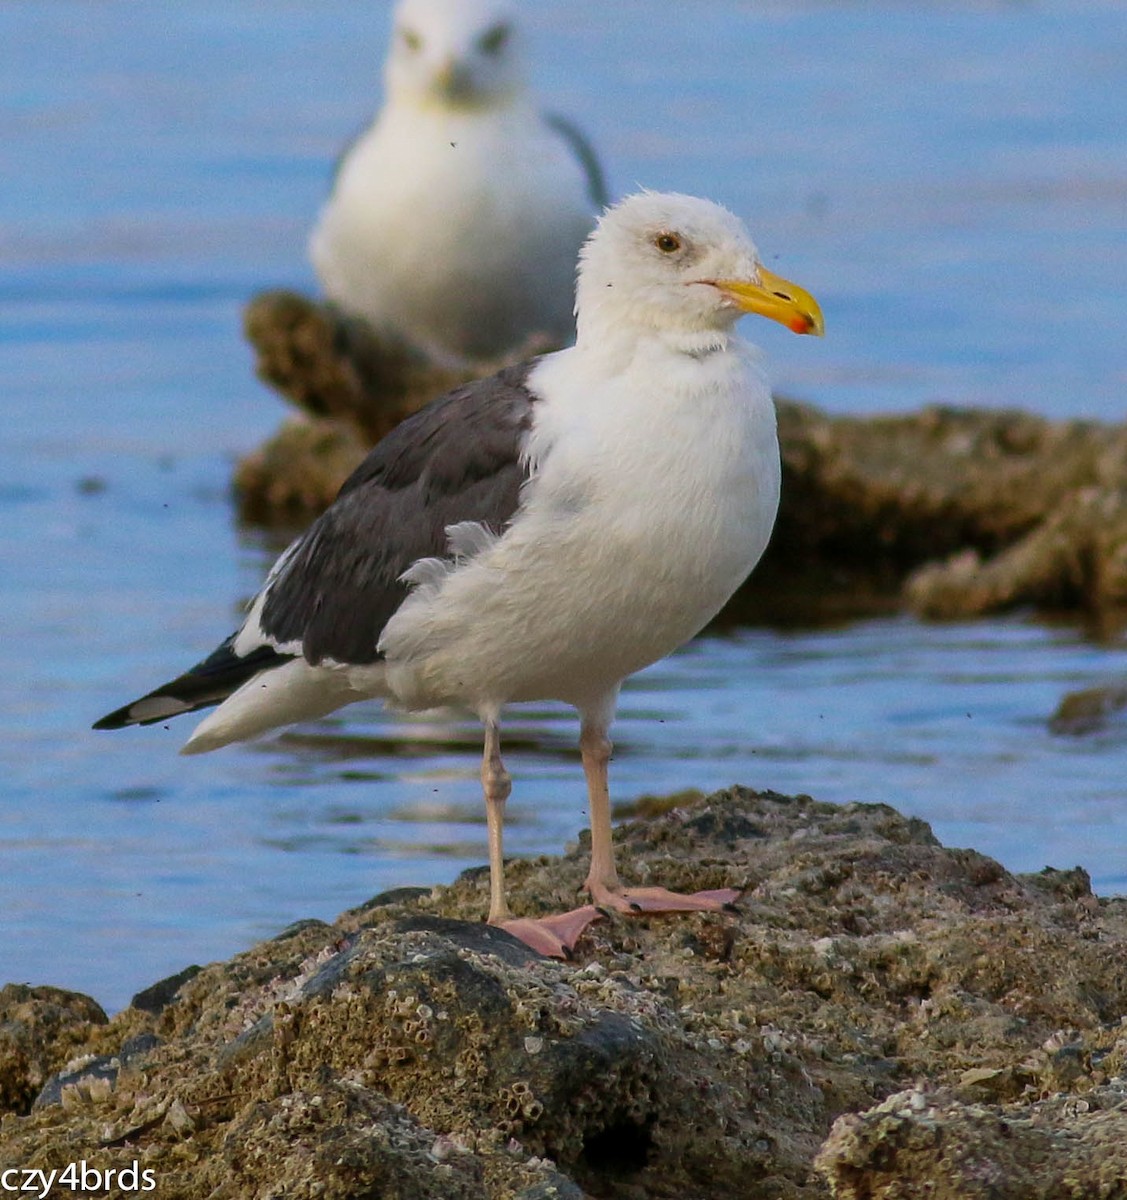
(541, 534)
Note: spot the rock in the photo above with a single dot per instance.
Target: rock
(955, 513)
(1090, 710)
(94, 1074)
(331, 365)
(875, 999)
(157, 996)
(1056, 1149)
(40, 1028)
(1074, 559)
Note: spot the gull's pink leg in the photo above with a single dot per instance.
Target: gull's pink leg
(496, 783)
(554, 936)
(602, 879)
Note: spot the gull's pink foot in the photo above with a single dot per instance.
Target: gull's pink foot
(555, 936)
(661, 900)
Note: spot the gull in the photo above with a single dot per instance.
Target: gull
(454, 221)
(541, 534)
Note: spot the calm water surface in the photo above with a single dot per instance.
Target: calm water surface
(950, 180)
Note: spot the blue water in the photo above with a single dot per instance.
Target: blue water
(950, 180)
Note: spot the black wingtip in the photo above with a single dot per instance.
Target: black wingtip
(114, 720)
(207, 683)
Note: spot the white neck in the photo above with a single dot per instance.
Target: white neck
(615, 345)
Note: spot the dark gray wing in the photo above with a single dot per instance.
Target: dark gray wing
(585, 152)
(332, 592)
(458, 459)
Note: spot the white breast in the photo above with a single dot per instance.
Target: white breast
(649, 508)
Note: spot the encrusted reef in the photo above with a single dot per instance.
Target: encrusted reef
(949, 513)
(882, 1017)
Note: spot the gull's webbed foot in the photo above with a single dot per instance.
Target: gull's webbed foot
(555, 936)
(635, 901)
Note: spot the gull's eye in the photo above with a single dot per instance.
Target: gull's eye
(495, 40)
(412, 40)
(667, 243)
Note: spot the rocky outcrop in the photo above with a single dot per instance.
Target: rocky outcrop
(882, 1016)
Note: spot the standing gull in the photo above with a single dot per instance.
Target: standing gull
(538, 535)
(455, 219)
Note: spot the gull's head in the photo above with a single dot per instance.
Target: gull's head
(679, 264)
(454, 53)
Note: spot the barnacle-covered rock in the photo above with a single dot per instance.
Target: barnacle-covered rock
(881, 1017)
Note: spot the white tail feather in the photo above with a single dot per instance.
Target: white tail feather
(279, 696)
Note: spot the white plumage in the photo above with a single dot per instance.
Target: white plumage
(641, 521)
(574, 520)
(455, 220)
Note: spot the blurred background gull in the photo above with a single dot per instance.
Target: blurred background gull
(455, 220)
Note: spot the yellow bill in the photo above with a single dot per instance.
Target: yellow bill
(778, 299)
